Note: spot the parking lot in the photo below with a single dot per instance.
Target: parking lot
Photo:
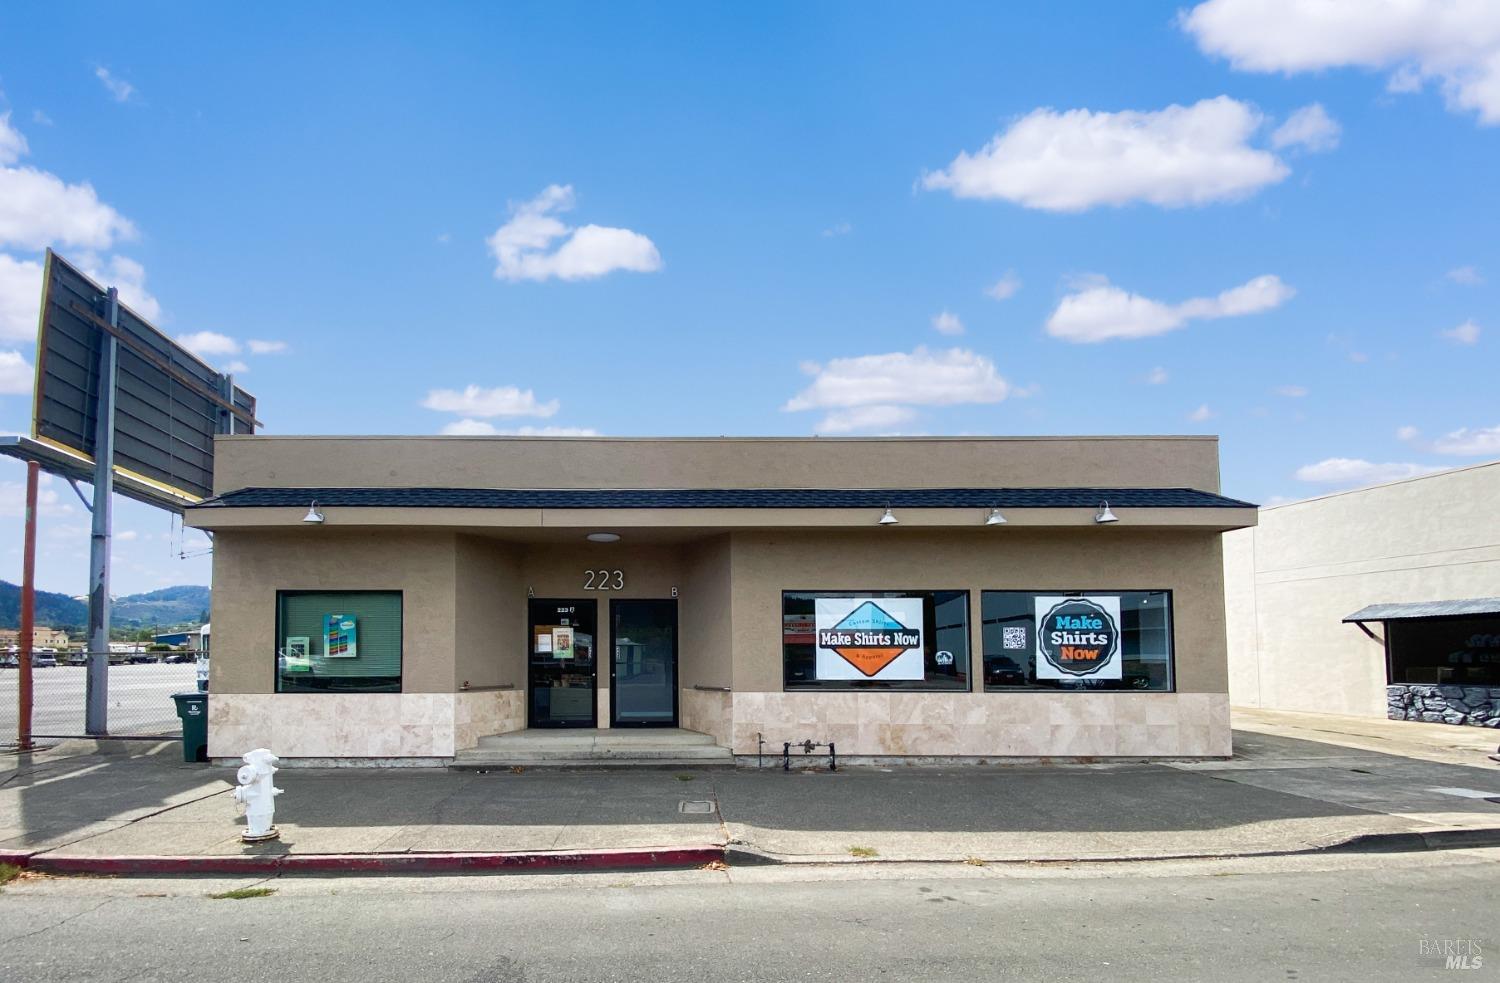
(140, 699)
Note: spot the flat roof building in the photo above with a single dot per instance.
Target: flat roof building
(985, 598)
(1378, 602)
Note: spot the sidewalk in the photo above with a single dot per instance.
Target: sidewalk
(85, 805)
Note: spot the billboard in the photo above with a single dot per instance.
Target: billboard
(169, 403)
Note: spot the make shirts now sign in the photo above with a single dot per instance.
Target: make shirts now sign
(869, 637)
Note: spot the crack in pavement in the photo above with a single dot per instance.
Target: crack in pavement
(56, 924)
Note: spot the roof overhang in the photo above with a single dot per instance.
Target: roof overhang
(1418, 610)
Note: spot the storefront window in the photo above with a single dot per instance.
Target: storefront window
(1077, 640)
(889, 640)
(338, 641)
(1460, 651)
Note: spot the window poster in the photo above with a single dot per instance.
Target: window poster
(1078, 637)
(562, 642)
(869, 637)
(340, 636)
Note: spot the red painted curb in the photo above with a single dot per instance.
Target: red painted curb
(374, 863)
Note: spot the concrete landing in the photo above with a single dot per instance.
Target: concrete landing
(653, 747)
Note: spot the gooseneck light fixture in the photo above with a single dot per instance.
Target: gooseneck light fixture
(889, 519)
(313, 515)
(1104, 515)
(994, 518)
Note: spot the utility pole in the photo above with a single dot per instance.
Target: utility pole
(28, 611)
(96, 710)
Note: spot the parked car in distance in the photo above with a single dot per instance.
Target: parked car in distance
(43, 660)
(8, 660)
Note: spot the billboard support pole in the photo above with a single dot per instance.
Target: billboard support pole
(96, 709)
(28, 612)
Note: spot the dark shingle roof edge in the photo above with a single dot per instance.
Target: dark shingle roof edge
(724, 498)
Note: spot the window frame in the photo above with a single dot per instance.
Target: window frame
(1171, 596)
(400, 641)
(881, 685)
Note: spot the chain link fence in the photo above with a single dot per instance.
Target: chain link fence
(140, 699)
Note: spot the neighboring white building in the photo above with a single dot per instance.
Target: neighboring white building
(1414, 548)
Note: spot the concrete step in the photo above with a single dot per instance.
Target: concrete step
(645, 748)
(468, 761)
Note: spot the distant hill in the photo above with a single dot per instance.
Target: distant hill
(52, 610)
(187, 604)
(169, 606)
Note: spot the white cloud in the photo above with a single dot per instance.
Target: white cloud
(1201, 413)
(1291, 392)
(1464, 334)
(1101, 311)
(1157, 376)
(1466, 275)
(259, 347)
(16, 374)
(919, 378)
(521, 245)
(1407, 433)
(1079, 159)
(1453, 42)
(20, 296)
(119, 89)
(947, 322)
(38, 209)
(129, 277)
(481, 428)
(40, 118)
(126, 535)
(12, 143)
(1310, 128)
(865, 418)
(206, 344)
(837, 229)
(235, 367)
(1348, 472)
(1004, 288)
(475, 401)
(48, 502)
(1470, 442)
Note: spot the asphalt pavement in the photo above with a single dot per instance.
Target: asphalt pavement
(1279, 794)
(140, 699)
(1389, 918)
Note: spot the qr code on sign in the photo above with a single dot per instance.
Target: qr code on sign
(1013, 638)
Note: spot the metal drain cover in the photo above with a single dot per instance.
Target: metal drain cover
(696, 807)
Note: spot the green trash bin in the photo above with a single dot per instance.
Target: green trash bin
(192, 710)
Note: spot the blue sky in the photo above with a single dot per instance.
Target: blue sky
(694, 219)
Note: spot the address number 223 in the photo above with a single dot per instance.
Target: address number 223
(604, 580)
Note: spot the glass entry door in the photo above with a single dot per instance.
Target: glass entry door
(643, 679)
(561, 641)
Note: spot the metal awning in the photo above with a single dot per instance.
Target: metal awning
(1413, 610)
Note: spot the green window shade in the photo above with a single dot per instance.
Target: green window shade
(377, 633)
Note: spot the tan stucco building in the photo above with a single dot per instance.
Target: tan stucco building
(1383, 601)
(401, 598)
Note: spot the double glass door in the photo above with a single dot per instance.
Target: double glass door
(565, 649)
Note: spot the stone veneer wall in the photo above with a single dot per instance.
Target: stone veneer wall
(1477, 706)
(358, 725)
(990, 725)
(971, 725)
(477, 713)
(707, 712)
